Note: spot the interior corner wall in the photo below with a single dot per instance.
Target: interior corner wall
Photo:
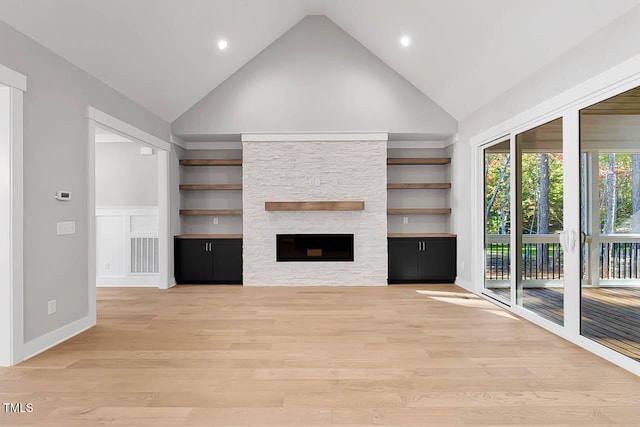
(56, 158)
(315, 78)
(175, 227)
(610, 46)
(124, 177)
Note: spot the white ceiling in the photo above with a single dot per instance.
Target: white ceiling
(163, 54)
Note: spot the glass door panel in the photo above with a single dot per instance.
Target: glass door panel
(497, 221)
(539, 196)
(610, 223)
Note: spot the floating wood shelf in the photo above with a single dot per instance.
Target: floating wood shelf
(209, 236)
(421, 235)
(210, 212)
(418, 211)
(211, 162)
(197, 187)
(433, 185)
(314, 206)
(420, 161)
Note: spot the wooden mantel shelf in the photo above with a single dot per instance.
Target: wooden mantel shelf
(314, 206)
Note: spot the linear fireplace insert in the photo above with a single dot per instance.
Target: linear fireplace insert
(314, 247)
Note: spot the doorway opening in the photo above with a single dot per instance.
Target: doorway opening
(127, 194)
(138, 254)
(12, 87)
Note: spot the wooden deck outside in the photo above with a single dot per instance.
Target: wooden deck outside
(610, 316)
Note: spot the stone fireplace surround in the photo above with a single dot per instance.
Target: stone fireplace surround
(314, 167)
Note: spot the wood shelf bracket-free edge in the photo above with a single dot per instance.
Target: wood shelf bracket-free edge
(315, 206)
(419, 161)
(211, 162)
(418, 186)
(208, 236)
(413, 235)
(443, 211)
(210, 212)
(202, 187)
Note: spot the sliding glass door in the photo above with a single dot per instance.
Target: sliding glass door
(524, 261)
(540, 217)
(561, 222)
(497, 221)
(610, 223)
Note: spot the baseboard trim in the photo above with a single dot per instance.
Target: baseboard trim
(148, 281)
(466, 285)
(53, 338)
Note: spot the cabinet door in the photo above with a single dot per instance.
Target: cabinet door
(227, 261)
(439, 259)
(404, 260)
(193, 261)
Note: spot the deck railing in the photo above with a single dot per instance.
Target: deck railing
(618, 257)
(543, 258)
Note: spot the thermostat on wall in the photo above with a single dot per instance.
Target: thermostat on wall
(63, 195)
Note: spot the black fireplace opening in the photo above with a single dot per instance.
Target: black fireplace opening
(314, 247)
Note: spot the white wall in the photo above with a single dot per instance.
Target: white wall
(124, 177)
(115, 229)
(56, 157)
(315, 78)
(608, 47)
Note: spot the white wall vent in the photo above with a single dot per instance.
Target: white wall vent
(144, 255)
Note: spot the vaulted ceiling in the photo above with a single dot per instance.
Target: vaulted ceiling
(163, 53)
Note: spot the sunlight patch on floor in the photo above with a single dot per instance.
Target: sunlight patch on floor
(465, 300)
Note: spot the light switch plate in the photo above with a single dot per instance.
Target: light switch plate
(66, 227)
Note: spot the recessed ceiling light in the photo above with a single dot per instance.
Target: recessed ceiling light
(222, 44)
(405, 41)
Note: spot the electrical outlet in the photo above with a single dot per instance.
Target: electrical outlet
(215, 220)
(107, 265)
(51, 307)
(405, 220)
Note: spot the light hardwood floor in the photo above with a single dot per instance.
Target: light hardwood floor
(350, 356)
